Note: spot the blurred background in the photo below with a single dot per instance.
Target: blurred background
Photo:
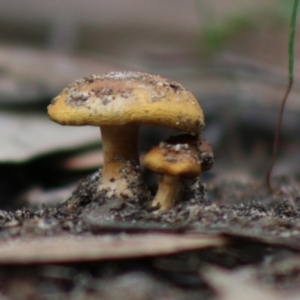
(232, 54)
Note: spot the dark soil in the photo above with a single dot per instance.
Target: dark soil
(262, 230)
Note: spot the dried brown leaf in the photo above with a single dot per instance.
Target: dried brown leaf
(66, 249)
(88, 160)
(238, 285)
(26, 135)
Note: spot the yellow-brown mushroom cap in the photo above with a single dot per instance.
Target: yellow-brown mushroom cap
(182, 155)
(119, 98)
(177, 160)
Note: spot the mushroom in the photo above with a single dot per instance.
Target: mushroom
(178, 157)
(119, 102)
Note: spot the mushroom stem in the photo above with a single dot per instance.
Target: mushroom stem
(168, 190)
(121, 160)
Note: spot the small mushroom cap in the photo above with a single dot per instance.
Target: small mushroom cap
(119, 98)
(177, 156)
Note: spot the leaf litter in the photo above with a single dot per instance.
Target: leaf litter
(237, 227)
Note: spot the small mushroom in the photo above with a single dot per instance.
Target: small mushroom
(178, 157)
(119, 102)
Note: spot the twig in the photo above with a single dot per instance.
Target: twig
(288, 89)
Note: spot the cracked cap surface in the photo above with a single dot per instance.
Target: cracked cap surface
(119, 98)
(177, 156)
